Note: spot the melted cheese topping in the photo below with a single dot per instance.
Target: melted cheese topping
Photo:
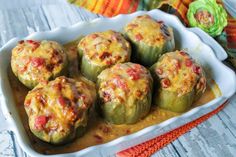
(38, 61)
(147, 30)
(179, 73)
(105, 48)
(124, 83)
(58, 107)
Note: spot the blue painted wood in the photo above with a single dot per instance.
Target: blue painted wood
(214, 138)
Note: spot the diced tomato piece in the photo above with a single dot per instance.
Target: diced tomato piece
(44, 82)
(120, 83)
(94, 36)
(50, 67)
(83, 96)
(106, 97)
(183, 53)
(105, 55)
(196, 69)
(128, 131)
(22, 69)
(109, 62)
(106, 129)
(165, 83)
(27, 102)
(58, 86)
(62, 101)
(139, 93)
(159, 71)
(37, 61)
(25, 62)
(138, 37)
(137, 67)
(51, 116)
(178, 64)
(40, 122)
(30, 41)
(188, 62)
(98, 138)
(35, 44)
(117, 58)
(133, 73)
(42, 100)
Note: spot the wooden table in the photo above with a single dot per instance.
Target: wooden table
(215, 137)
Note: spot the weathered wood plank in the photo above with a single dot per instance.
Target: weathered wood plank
(210, 138)
(168, 151)
(35, 19)
(6, 144)
(6, 4)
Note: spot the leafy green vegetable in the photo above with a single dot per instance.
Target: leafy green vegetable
(207, 15)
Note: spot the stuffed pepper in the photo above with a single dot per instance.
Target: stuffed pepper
(125, 93)
(58, 110)
(149, 38)
(101, 50)
(38, 61)
(179, 81)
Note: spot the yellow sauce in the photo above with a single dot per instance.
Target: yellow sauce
(98, 131)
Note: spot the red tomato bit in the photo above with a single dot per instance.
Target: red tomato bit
(37, 61)
(35, 44)
(50, 67)
(165, 83)
(159, 71)
(42, 100)
(133, 73)
(27, 102)
(177, 64)
(120, 83)
(106, 97)
(183, 53)
(138, 37)
(98, 138)
(105, 55)
(196, 69)
(109, 62)
(139, 93)
(62, 101)
(22, 69)
(188, 62)
(94, 36)
(40, 122)
(105, 129)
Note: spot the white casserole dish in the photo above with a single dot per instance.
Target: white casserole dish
(210, 58)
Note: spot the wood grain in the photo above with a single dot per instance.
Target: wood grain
(214, 138)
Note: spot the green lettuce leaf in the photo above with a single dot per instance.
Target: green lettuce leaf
(207, 15)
